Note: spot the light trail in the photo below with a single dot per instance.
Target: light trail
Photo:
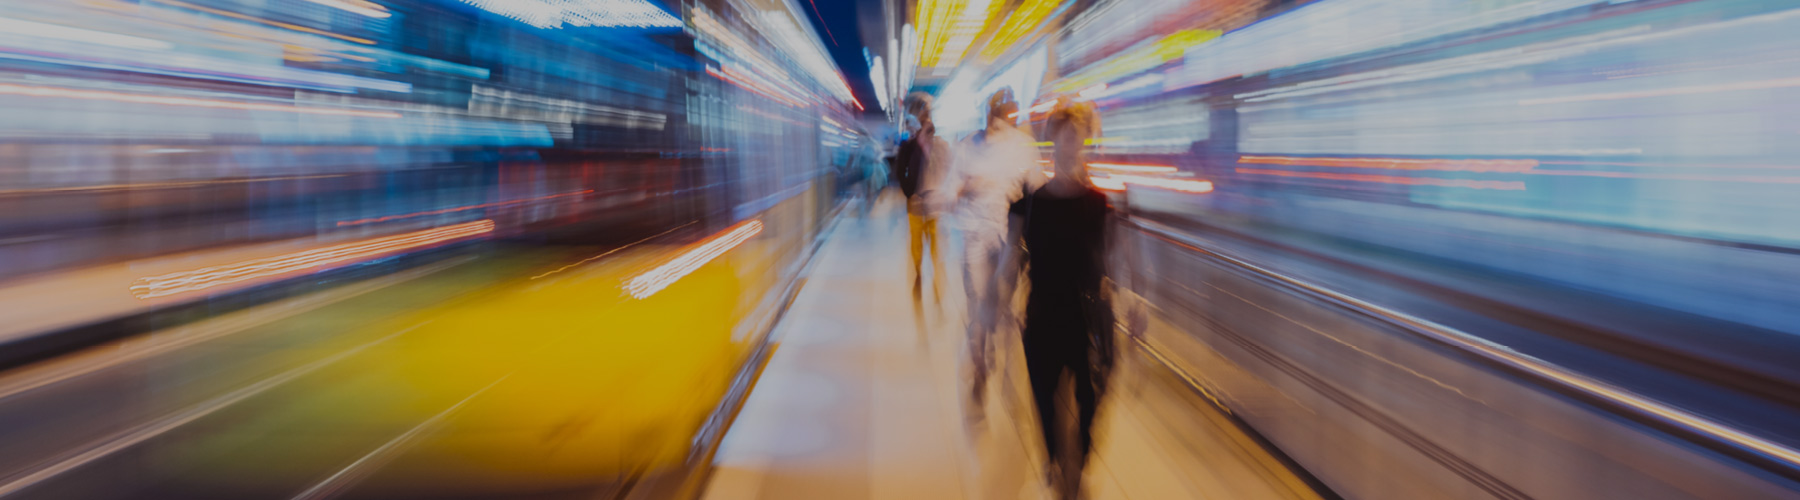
(656, 279)
(1125, 167)
(211, 277)
(1391, 179)
(1447, 165)
(100, 95)
(1182, 185)
(460, 209)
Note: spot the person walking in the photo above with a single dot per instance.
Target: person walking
(993, 168)
(1068, 316)
(918, 169)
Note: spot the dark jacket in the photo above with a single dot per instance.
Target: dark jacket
(918, 166)
(909, 166)
(1065, 241)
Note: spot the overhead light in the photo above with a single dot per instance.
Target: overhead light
(1027, 18)
(948, 27)
(878, 77)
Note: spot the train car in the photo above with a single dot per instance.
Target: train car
(177, 152)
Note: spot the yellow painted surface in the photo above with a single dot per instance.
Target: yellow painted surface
(583, 383)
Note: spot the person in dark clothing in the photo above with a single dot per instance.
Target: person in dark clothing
(918, 169)
(1068, 319)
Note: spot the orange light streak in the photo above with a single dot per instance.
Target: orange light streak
(1447, 165)
(99, 95)
(655, 280)
(215, 276)
(1392, 179)
(359, 222)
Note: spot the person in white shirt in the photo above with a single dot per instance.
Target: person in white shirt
(991, 169)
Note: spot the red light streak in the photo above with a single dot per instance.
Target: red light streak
(1447, 165)
(359, 222)
(1392, 179)
(98, 95)
(215, 276)
(824, 24)
(656, 279)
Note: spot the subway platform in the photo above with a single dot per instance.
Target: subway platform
(862, 399)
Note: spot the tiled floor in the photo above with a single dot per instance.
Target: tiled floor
(861, 400)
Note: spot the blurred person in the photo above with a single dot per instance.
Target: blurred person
(874, 171)
(918, 169)
(1068, 317)
(993, 168)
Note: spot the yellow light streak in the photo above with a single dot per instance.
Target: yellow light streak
(1022, 23)
(1142, 58)
(948, 27)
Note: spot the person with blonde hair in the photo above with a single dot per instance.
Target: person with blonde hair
(1068, 316)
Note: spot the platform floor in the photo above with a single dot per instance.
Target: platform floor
(861, 400)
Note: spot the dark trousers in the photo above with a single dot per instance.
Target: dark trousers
(1046, 364)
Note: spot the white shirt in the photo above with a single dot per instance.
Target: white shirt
(990, 171)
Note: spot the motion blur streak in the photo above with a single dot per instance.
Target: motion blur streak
(1389, 179)
(363, 7)
(580, 13)
(760, 89)
(1399, 163)
(462, 208)
(1182, 185)
(11, 89)
(644, 285)
(201, 279)
(1665, 92)
(1121, 167)
(43, 30)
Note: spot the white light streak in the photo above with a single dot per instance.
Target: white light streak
(12, 27)
(655, 280)
(554, 14)
(363, 7)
